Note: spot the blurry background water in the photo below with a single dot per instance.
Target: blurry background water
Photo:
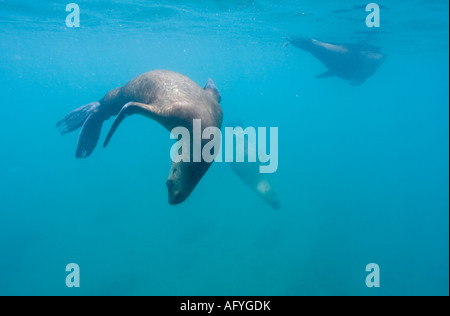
(363, 172)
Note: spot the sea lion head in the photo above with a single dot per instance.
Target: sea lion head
(183, 178)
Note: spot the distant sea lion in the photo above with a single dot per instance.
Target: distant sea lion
(351, 62)
(249, 172)
(169, 98)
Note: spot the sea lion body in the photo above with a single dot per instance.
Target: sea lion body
(351, 62)
(171, 99)
(177, 97)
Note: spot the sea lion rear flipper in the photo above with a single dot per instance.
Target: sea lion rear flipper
(326, 74)
(89, 135)
(75, 119)
(87, 117)
(132, 108)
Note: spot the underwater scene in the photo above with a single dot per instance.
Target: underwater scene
(224, 148)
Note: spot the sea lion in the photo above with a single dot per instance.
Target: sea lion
(351, 62)
(249, 172)
(171, 99)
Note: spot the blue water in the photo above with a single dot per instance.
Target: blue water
(363, 171)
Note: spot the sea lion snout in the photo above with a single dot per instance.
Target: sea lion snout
(176, 199)
(176, 196)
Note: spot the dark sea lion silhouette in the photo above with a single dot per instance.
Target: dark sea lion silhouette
(351, 62)
(167, 97)
(249, 172)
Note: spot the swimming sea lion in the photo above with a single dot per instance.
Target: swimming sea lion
(169, 98)
(249, 172)
(351, 62)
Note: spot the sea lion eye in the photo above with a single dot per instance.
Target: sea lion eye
(169, 184)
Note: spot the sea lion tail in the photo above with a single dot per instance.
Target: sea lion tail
(91, 122)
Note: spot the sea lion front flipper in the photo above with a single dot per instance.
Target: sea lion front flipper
(326, 74)
(129, 109)
(212, 89)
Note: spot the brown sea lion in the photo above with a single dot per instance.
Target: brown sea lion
(171, 99)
